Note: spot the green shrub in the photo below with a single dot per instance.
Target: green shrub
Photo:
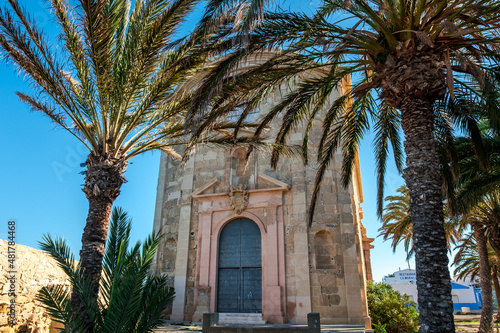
(391, 310)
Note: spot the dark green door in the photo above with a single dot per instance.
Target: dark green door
(240, 268)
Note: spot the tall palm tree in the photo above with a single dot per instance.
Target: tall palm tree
(397, 225)
(405, 52)
(110, 82)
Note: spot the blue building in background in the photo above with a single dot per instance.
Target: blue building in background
(465, 296)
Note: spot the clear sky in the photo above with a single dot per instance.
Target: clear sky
(41, 181)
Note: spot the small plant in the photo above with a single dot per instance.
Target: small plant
(130, 300)
(390, 311)
(380, 328)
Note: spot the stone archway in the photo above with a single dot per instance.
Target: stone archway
(239, 282)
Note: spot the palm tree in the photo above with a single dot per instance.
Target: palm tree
(406, 53)
(130, 299)
(474, 257)
(486, 216)
(485, 276)
(467, 264)
(478, 176)
(496, 286)
(111, 83)
(476, 197)
(478, 185)
(396, 221)
(397, 225)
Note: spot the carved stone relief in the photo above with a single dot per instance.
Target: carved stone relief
(239, 198)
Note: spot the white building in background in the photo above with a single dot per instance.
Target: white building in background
(404, 281)
(464, 295)
(401, 276)
(467, 281)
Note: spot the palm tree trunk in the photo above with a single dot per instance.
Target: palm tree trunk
(485, 324)
(494, 236)
(94, 238)
(103, 181)
(496, 285)
(423, 178)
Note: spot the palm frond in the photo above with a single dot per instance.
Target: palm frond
(387, 127)
(130, 300)
(56, 301)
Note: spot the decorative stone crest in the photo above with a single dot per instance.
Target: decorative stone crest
(239, 198)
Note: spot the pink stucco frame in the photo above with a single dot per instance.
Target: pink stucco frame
(265, 208)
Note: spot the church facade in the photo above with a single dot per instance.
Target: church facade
(236, 237)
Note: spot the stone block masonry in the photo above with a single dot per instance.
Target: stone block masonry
(35, 269)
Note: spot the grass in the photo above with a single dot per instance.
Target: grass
(469, 325)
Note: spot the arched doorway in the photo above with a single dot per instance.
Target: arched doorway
(239, 287)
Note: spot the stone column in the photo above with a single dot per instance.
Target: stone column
(202, 286)
(301, 247)
(302, 281)
(160, 190)
(181, 260)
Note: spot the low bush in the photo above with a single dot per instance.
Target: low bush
(390, 311)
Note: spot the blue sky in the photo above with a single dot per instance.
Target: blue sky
(41, 180)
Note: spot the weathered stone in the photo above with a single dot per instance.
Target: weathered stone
(326, 280)
(7, 330)
(329, 290)
(35, 269)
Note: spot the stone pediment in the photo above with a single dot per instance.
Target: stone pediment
(264, 179)
(200, 190)
(265, 182)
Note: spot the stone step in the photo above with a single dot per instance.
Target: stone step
(241, 318)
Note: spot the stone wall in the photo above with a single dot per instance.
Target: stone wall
(35, 269)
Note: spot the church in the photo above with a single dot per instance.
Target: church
(236, 237)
